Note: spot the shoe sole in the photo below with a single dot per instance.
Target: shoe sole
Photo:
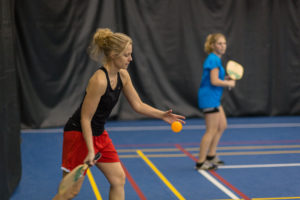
(212, 168)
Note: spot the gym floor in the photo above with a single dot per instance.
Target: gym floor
(261, 154)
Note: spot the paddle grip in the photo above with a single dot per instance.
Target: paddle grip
(97, 156)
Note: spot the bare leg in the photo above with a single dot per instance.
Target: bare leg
(116, 177)
(212, 123)
(222, 126)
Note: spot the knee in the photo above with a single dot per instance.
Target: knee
(210, 132)
(122, 179)
(222, 127)
(118, 180)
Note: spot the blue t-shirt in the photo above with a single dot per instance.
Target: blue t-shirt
(209, 96)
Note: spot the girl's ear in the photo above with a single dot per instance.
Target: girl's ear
(213, 46)
(113, 55)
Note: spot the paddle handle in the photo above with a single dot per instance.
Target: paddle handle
(97, 156)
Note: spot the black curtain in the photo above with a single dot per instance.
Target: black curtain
(10, 158)
(44, 67)
(262, 35)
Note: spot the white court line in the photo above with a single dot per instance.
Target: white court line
(227, 191)
(167, 127)
(259, 166)
(218, 184)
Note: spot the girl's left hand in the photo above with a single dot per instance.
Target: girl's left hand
(227, 78)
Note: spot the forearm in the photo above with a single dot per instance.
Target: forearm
(216, 81)
(148, 110)
(87, 134)
(220, 83)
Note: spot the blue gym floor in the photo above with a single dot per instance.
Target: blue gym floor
(262, 156)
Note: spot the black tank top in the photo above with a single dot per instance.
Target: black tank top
(105, 106)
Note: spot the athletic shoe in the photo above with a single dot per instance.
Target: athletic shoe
(205, 166)
(216, 161)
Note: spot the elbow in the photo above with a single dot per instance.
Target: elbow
(85, 120)
(137, 107)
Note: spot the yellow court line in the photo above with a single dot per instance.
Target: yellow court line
(160, 175)
(93, 184)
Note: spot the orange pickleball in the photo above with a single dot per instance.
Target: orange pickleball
(176, 126)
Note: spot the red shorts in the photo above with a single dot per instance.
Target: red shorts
(75, 150)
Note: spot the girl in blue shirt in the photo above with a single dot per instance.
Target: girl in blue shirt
(209, 99)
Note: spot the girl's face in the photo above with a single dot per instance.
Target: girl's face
(122, 61)
(220, 46)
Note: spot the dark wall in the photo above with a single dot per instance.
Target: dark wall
(53, 67)
(10, 159)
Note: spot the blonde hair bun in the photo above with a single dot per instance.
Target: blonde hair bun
(104, 42)
(102, 37)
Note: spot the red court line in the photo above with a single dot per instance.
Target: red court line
(133, 183)
(215, 174)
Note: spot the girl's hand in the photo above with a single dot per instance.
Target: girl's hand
(227, 78)
(169, 117)
(231, 83)
(89, 159)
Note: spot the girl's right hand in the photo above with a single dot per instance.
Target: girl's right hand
(231, 83)
(89, 159)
